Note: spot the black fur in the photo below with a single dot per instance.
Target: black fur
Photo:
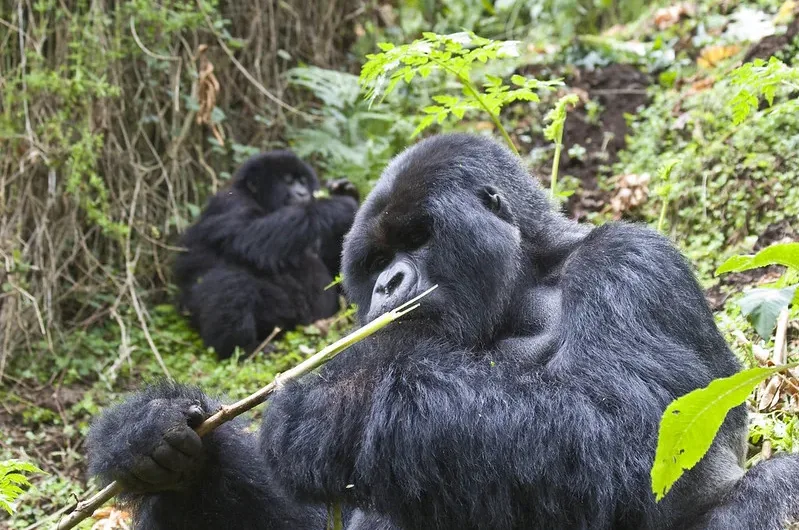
(259, 257)
(525, 393)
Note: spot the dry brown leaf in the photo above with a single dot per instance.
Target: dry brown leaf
(702, 85)
(713, 55)
(629, 192)
(359, 30)
(668, 16)
(786, 12)
(111, 518)
(770, 394)
(207, 89)
(387, 15)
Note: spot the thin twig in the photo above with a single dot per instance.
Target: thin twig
(266, 341)
(780, 339)
(261, 88)
(770, 392)
(130, 265)
(23, 60)
(85, 508)
(145, 49)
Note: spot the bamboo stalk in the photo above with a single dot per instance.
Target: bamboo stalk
(86, 508)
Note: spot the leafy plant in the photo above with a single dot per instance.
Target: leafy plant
(349, 139)
(13, 481)
(690, 423)
(761, 79)
(456, 55)
(735, 181)
(762, 306)
(664, 190)
(554, 133)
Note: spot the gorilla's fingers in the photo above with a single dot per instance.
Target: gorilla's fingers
(133, 484)
(172, 459)
(148, 470)
(343, 187)
(187, 441)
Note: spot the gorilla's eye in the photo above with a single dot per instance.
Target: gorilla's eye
(376, 261)
(492, 199)
(288, 178)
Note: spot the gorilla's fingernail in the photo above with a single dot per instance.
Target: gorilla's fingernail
(195, 416)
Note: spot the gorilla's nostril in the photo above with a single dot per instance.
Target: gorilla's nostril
(394, 282)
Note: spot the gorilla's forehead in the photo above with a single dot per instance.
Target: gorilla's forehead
(439, 165)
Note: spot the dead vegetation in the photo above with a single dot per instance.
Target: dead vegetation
(117, 120)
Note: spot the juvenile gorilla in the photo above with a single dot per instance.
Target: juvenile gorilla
(524, 393)
(262, 253)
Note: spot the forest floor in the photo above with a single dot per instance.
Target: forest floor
(636, 109)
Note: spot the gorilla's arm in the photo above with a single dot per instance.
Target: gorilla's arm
(240, 231)
(437, 430)
(174, 480)
(765, 497)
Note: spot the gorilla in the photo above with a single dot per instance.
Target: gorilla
(525, 392)
(262, 253)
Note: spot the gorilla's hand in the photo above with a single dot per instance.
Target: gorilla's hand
(344, 187)
(148, 443)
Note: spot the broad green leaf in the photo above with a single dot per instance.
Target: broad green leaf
(690, 424)
(763, 306)
(786, 254)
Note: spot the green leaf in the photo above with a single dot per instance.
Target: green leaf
(385, 46)
(423, 124)
(12, 481)
(785, 254)
(690, 423)
(554, 131)
(493, 81)
(445, 99)
(763, 306)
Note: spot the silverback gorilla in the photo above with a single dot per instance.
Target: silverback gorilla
(525, 392)
(262, 253)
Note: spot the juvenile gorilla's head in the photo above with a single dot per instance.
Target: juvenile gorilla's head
(276, 179)
(455, 210)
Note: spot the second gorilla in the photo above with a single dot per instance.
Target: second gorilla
(262, 253)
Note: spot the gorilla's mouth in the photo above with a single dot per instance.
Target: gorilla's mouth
(295, 200)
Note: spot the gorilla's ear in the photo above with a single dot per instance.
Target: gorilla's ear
(492, 199)
(497, 204)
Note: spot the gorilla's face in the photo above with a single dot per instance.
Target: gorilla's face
(437, 217)
(278, 178)
(297, 188)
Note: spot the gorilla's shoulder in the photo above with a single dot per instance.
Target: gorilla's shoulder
(623, 245)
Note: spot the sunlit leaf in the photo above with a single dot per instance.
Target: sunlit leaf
(785, 254)
(690, 423)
